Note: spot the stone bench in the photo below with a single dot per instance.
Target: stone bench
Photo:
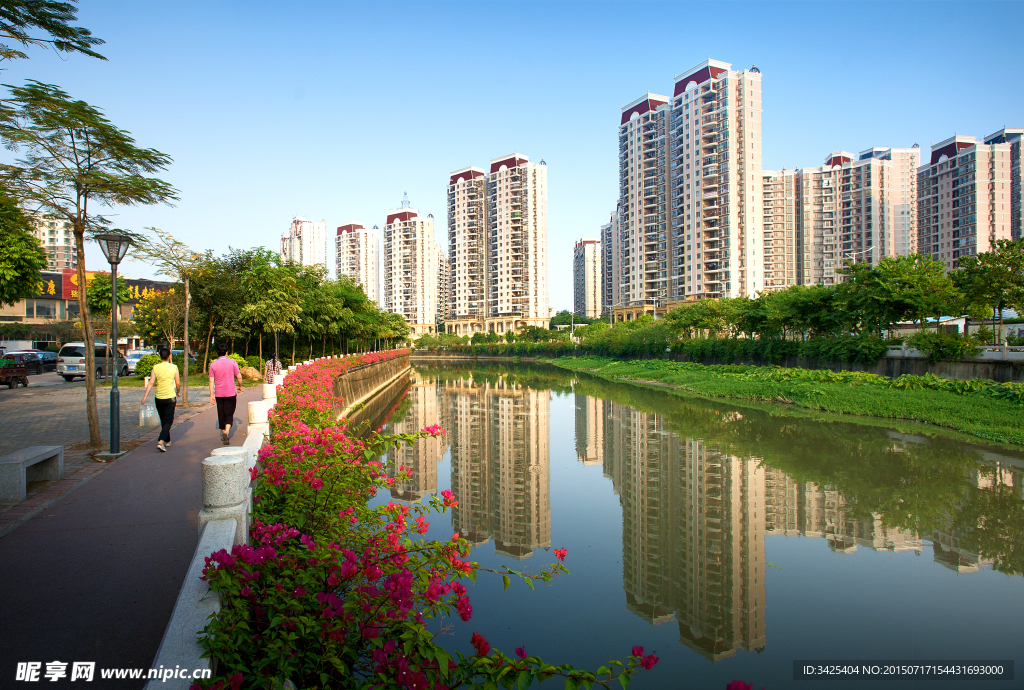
(17, 469)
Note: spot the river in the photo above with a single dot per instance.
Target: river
(730, 540)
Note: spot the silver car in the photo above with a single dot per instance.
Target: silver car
(133, 359)
(71, 362)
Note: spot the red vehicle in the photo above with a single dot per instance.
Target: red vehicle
(13, 374)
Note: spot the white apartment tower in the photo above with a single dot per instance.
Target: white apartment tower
(58, 239)
(643, 249)
(498, 246)
(357, 255)
(586, 278)
(1015, 138)
(717, 199)
(964, 198)
(609, 265)
(467, 250)
(305, 243)
(782, 245)
(443, 287)
(818, 224)
(410, 268)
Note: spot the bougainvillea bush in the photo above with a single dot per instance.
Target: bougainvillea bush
(330, 593)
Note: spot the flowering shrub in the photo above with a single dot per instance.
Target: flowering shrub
(330, 593)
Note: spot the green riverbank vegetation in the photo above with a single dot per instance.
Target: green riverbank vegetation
(982, 409)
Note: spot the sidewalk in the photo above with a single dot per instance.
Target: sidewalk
(94, 575)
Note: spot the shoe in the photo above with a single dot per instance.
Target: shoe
(161, 447)
(224, 439)
(167, 444)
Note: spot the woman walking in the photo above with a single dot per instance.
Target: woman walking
(223, 374)
(165, 378)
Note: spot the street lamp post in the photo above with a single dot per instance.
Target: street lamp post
(114, 246)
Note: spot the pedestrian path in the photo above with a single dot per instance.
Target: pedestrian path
(94, 573)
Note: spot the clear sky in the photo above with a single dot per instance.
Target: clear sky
(332, 110)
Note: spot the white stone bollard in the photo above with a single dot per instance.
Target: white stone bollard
(247, 455)
(258, 420)
(226, 493)
(278, 379)
(270, 392)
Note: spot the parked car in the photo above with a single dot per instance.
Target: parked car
(49, 360)
(26, 358)
(133, 359)
(71, 362)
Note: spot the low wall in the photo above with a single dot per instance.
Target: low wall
(892, 367)
(357, 386)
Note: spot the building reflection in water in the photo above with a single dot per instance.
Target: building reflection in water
(694, 517)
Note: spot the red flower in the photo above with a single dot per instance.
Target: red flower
(638, 650)
(560, 554)
(739, 685)
(521, 652)
(649, 662)
(482, 648)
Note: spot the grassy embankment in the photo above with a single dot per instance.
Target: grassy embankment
(974, 412)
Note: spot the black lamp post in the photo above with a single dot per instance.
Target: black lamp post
(114, 246)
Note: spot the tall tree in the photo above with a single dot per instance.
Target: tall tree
(273, 296)
(174, 258)
(48, 20)
(97, 294)
(74, 157)
(21, 254)
(995, 279)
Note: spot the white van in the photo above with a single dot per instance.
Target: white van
(71, 361)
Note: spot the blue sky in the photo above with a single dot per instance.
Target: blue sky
(332, 110)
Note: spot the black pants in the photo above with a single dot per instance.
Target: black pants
(226, 410)
(165, 408)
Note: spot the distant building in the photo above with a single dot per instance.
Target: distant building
(782, 255)
(443, 288)
(586, 278)
(305, 242)
(609, 263)
(410, 268)
(498, 246)
(964, 198)
(1015, 138)
(58, 240)
(357, 255)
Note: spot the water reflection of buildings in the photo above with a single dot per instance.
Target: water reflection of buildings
(499, 436)
(426, 408)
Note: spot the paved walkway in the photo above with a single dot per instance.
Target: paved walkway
(94, 573)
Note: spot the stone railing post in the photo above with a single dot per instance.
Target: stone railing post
(270, 393)
(226, 493)
(258, 419)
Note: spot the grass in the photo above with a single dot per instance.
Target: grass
(980, 416)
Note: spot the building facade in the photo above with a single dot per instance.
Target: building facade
(410, 268)
(609, 266)
(964, 198)
(783, 258)
(443, 286)
(305, 243)
(58, 239)
(357, 255)
(586, 278)
(1015, 138)
(498, 247)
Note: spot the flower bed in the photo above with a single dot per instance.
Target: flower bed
(333, 594)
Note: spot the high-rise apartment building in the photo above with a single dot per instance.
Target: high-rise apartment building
(1015, 138)
(498, 246)
(443, 289)
(58, 239)
(717, 200)
(609, 264)
(586, 278)
(410, 268)
(964, 198)
(818, 224)
(305, 242)
(782, 240)
(357, 255)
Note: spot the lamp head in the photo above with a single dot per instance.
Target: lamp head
(114, 246)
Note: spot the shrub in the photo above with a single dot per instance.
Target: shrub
(255, 362)
(944, 345)
(239, 360)
(145, 365)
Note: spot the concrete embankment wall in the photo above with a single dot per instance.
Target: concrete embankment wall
(893, 367)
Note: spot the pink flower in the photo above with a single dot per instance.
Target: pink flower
(464, 608)
(482, 648)
(649, 662)
(374, 573)
(455, 537)
(638, 650)
(521, 652)
(560, 554)
(317, 484)
(739, 685)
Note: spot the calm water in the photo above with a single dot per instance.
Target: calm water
(729, 540)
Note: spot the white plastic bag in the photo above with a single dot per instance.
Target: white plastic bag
(148, 415)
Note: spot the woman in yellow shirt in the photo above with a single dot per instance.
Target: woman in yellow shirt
(168, 387)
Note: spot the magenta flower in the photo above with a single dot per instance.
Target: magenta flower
(638, 650)
(521, 652)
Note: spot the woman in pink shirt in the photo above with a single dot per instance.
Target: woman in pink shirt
(223, 373)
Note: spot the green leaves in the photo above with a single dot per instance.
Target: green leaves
(506, 581)
(21, 254)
